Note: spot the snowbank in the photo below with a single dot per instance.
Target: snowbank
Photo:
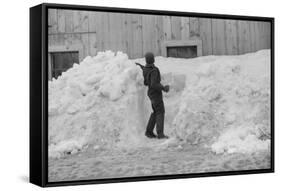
(222, 101)
(228, 106)
(99, 102)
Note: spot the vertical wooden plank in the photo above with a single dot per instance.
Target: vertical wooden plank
(261, 36)
(86, 45)
(68, 21)
(148, 25)
(93, 21)
(257, 35)
(167, 27)
(268, 35)
(115, 31)
(92, 44)
(62, 14)
(80, 21)
(127, 34)
(205, 26)
(194, 28)
(103, 36)
(96, 24)
(93, 28)
(244, 37)
(185, 28)
(52, 21)
(176, 28)
(158, 43)
(252, 36)
(137, 42)
(231, 37)
(218, 34)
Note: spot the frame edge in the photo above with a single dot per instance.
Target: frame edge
(36, 168)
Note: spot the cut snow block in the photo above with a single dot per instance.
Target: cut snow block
(178, 82)
(166, 78)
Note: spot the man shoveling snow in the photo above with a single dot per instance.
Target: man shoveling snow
(152, 79)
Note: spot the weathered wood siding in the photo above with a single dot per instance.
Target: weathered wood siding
(136, 34)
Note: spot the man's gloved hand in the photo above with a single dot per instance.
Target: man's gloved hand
(138, 64)
(166, 88)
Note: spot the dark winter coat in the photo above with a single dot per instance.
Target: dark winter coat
(152, 79)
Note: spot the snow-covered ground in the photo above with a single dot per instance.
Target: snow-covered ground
(219, 103)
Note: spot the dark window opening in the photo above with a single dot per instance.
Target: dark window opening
(62, 61)
(182, 51)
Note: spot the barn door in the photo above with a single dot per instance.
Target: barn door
(62, 61)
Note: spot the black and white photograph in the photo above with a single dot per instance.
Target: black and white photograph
(141, 95)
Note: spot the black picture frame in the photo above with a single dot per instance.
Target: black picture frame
(39, 94)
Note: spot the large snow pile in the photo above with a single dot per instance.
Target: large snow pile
(221, 101)
(228, 105)
(99, 102)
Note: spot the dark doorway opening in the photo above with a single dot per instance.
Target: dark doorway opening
(182, 51)
(62, 61)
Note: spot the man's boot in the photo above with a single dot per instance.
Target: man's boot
(160, 126)
(150, 126)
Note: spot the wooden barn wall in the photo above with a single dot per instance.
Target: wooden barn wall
(136, 34)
